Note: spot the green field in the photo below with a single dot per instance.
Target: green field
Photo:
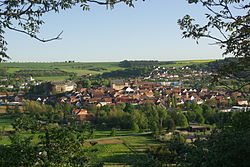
(80, 68)
(106, 133)
(131, 152)
(5, 125)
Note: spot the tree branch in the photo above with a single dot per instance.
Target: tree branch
(105, 3)
(34, 36)
(17, 13)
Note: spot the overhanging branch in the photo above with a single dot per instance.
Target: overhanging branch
(58, 37)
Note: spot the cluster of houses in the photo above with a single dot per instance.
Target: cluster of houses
(162, 87)
(5, 83)
(174, 78)
(141, 92)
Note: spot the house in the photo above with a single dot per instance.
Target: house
(3, 95)
(94, 100)
(10, 87)
(96, 93)
(196, 128)
(242, 102)
(118, 84)
(147, 93)
(61, 87)
(82, 115)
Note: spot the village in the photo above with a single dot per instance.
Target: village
(165, 87)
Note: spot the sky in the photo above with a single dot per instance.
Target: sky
(147, 32)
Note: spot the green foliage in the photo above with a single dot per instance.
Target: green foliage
(20, 153)
(233, 35)
(181, 120)
(86, 83)
(171, 152)
(57, 144)
(199, 118)
(41, 73)
(129, 64)
(135, 127)
(113, 132)
(27, 16)
(3, 71)
(128, 107)
(171, 125)
(173, 102)
(127, 73)
(220, 149)
(140, 117)
(209, 114)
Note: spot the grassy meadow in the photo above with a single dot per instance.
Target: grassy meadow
(130, 152)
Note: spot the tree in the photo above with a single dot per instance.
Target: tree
(86, 83)
(209, 114)
(173, 101)
(163, 117)
(222, 149)
(113, 132)
(199, 118)
(48, 143)
(129, 108)
(181, 120)
(26, 16)
(234, 35)
(226, 148)
(191, 116)
(170, 125)
(135, 127)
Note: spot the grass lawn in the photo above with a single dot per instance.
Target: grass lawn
(5, 125)
(13, 70)
(5, 121)
(130, 152)
(111, 154)
(140, 143)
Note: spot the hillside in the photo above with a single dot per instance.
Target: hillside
(59, 71)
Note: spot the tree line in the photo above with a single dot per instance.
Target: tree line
(157, 118)
(133, 72)
(136, 63)
(42, 73)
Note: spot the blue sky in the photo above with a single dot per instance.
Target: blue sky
(147, 32)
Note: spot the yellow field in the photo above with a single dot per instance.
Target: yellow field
(194, 61)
